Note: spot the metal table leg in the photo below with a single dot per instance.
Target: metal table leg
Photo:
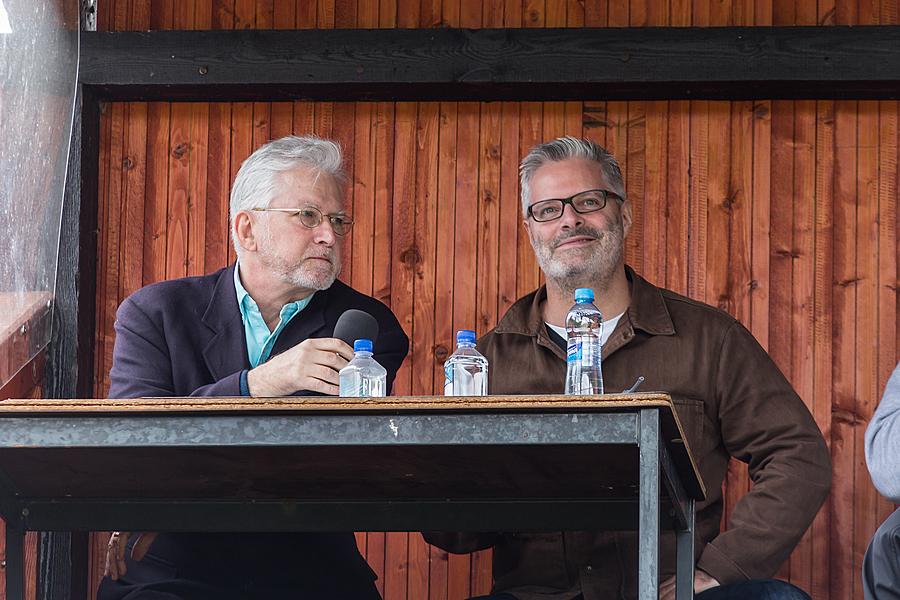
(684, 557)
(15, 562)
(648, 520)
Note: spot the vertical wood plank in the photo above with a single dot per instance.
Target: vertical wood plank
(425, 573)
(528, 275)
(699, 161)
(384, 159)
(157, 185)
(343, 132)
(445, 255)
(822, 329)
(457, 567)
(404, 251)
(196, 205)
(802, 303)
(843, 442)
(363, 197)
(678, 195)
(761, 202)
(134, 165)
(510, 212)
(654, 245)
(887, 257)
(867, 392)
(634, 173)
(488, 217)
(102, 247)
(464, 273)
(217, 237)
(178, 167)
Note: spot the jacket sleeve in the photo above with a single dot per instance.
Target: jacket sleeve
(142, 365)
(765, 424)
(883, 441)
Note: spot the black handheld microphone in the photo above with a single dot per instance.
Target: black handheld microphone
(356, 325)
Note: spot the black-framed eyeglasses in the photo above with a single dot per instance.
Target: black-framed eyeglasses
(311, 217)
(583, 202)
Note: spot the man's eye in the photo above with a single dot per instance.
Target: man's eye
(590, 202)
(548, 211)
(305, 214)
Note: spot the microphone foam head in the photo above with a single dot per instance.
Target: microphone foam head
(355, 325)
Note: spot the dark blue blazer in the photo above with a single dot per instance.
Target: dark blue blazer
(185, 338)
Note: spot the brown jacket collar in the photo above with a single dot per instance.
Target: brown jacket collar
(647, 311)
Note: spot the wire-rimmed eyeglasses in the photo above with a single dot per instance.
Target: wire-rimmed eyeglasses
(583, 202)
(311, 217)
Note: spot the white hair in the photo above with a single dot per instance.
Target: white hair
(255, 185)
(565, 148)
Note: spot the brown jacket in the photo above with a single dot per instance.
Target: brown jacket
(732, 401)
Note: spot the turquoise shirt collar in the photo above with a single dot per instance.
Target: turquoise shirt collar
(260, 340)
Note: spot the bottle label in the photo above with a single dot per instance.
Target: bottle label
(448, 380)
(573, 351)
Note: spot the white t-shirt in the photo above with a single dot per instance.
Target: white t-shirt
(609, 325)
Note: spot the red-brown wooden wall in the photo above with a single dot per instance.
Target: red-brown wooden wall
(783, 213)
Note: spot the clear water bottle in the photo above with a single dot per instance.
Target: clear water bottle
(584, 326)
(466, 371)
(363, 377)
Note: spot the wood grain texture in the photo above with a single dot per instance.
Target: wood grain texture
(782, 213)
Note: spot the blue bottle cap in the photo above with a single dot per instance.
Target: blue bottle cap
(584, 295)
(362, 346)
(465, 336)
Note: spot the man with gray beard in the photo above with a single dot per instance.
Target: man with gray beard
(261, 327)
(730, 397)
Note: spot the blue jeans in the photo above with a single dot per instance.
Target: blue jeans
(760, 589)
(763, 589)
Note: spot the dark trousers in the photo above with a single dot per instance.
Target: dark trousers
(249, 566)
(766, 589)
(881, 566)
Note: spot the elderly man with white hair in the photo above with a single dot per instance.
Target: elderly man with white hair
(261, 327)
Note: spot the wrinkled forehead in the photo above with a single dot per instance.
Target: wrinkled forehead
(307, 186)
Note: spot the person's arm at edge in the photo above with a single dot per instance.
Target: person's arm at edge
(788, 461)
(883, 441)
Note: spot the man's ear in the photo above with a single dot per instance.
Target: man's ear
(627, 218)
(245, 231)
(527, 223)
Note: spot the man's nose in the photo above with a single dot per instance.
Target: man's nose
(570, 217)
(324, 233)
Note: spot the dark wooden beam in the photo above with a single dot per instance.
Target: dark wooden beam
(495, 64)
(63, 556)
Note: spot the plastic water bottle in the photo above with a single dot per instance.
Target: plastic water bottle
(363, 377)
(466, 371)
(584, 326)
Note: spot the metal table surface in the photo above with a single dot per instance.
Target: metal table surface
(499, 463)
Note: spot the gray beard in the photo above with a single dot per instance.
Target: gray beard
(596, 267)
(300, 279)
(293, 274)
